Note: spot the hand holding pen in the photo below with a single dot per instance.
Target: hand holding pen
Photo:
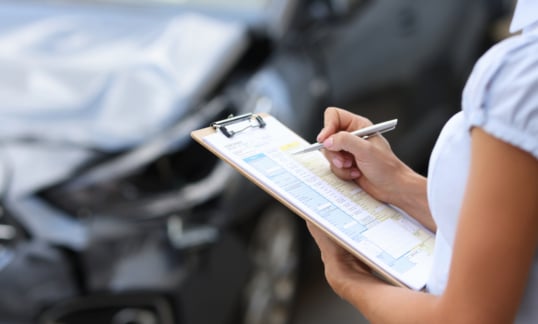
(371, 163)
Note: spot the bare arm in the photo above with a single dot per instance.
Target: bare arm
(496, 241)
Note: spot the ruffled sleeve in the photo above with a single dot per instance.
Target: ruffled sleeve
(501, 96)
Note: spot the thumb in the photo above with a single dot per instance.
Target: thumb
(345, 141)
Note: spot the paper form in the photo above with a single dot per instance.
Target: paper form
(388, 238)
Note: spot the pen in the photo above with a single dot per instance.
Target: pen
(365, 133)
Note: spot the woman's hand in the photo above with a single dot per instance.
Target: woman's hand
(371, 163)
(342, 269)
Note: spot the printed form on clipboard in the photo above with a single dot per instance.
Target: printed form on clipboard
(393, 244)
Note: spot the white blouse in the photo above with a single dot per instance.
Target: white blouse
(500, 97)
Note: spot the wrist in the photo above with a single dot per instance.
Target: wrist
(410, 195)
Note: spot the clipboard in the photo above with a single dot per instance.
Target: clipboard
(391, 243)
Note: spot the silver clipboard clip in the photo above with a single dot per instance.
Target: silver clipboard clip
(236, 124)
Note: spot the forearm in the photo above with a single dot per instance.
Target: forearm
(383, 303)
(410, 194)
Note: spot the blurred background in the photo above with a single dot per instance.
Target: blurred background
(109, 213)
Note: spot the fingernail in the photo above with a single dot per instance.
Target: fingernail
(328, 142)
(338, 163)
(355, 174)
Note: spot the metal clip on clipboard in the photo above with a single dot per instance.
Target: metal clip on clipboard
(236, 124)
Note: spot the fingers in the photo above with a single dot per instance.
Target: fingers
(346, 142)
(346, 173)
(340, 159)
(338, 261)
(328, 247)
(342, 164)
(330, 123)
(337, 119)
